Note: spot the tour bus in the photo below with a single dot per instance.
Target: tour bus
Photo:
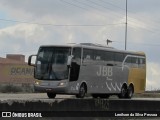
(86, 68)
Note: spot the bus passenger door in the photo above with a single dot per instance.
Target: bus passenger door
(74, 71)
(75, 64)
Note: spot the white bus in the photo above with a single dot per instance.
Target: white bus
(88, 68)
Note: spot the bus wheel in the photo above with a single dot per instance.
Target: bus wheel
(51, 95)
(123, 93)
(82, 91)
(130, 91)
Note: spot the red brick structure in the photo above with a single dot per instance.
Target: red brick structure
(14, 70)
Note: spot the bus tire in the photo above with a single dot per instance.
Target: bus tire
(130, 91)
(123, 93)
(51, 95)
(82, 91)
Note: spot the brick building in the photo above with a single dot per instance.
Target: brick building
(14, 70)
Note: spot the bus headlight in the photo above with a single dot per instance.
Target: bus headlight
(37, 82)
(62, 83)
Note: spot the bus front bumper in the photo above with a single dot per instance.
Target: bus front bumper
(51, 86)
(57, 90)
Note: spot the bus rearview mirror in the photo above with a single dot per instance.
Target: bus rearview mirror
(69, 60)
(31, 60)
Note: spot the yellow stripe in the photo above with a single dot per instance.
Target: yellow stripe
(137, 76)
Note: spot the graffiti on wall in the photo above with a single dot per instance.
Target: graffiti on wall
(17, 74)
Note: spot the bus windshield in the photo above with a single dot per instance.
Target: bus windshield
(51, 63)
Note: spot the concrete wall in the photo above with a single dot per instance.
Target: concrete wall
(16, 73)
(81, 107)
(14, 70)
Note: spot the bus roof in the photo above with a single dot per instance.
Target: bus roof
(95, 46)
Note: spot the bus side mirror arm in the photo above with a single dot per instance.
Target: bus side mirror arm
(69, 61)
(30, 60)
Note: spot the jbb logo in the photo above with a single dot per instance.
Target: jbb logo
(105, 71)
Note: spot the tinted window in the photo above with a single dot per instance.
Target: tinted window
(142, 62)
(76, 53)
(109, 56)
(134, 60)
(128, 60)
(119, 57)
(99, 55)
(52, 63)
(88, 54)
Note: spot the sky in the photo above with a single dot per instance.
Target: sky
(27, 24)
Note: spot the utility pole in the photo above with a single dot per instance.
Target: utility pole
(126, 29)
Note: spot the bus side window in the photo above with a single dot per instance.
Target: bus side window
(118, 57)
(134, 62)
(98, 57)
(128, 61)
(88, 56)
(76, 55)
(141, 62)
(109, 58)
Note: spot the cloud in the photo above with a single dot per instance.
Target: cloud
(153, 76)
(23, 38)
(39, 8)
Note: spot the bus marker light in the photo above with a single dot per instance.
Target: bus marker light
(37, 83)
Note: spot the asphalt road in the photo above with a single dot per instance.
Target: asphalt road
(30, 96)
(43, 96)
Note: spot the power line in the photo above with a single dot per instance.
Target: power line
(129, 19)
(103, 6)
(133, 27)
(76, 25)
(144, 44)
(112, 5)
(62, 25)
(89, 5)
(73, 5)
(106, 2)
(83, 8)
(86, 9)
(59, 25)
